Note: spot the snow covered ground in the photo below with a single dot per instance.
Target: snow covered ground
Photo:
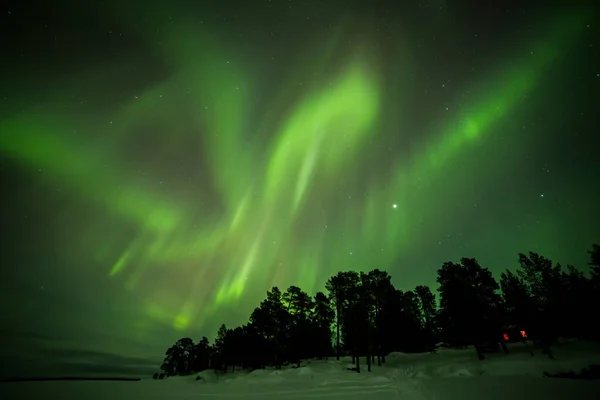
(449, 374)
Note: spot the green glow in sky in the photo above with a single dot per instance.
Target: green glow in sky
(279, 198)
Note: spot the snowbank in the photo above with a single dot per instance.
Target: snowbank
(449, 374)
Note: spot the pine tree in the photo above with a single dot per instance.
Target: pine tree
(298, 305)
(322, 317)
(179, 358)
(469, 304)
(428, 311)
(338, 287)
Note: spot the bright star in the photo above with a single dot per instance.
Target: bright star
(395, 206)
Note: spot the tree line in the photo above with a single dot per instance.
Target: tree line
(363, 315)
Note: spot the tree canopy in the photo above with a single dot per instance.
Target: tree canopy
(363, 315)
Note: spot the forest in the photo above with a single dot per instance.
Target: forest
(364, 316)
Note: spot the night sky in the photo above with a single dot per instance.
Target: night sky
(164, 163)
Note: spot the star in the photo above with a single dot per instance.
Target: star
(395, 206)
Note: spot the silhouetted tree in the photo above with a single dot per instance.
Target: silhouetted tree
(544, 282)
(410, 338)
(353, 314)
(256, 350)
(236, 347)
(577, 296)
(365, 308)
(298, 305)
(518, 302)
(429, 312)
(179, 358)
(380, 287)
(271, 320)
(469, 304)
(219, 351)
(338, 287)
(389, 322)
(373, 318)
(202, 355)
(322, 317)
(594, 264)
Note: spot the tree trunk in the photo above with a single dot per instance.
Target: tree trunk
(377, 336)
(337, 327)
(368, 349)
(358, 364)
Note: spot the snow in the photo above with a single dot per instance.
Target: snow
(449, 374)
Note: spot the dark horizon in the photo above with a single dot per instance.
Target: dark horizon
(26, 356)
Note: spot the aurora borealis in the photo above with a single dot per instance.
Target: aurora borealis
(165, 165)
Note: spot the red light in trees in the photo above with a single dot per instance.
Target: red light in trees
(505, 336)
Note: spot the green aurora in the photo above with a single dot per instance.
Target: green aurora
(284, 191)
